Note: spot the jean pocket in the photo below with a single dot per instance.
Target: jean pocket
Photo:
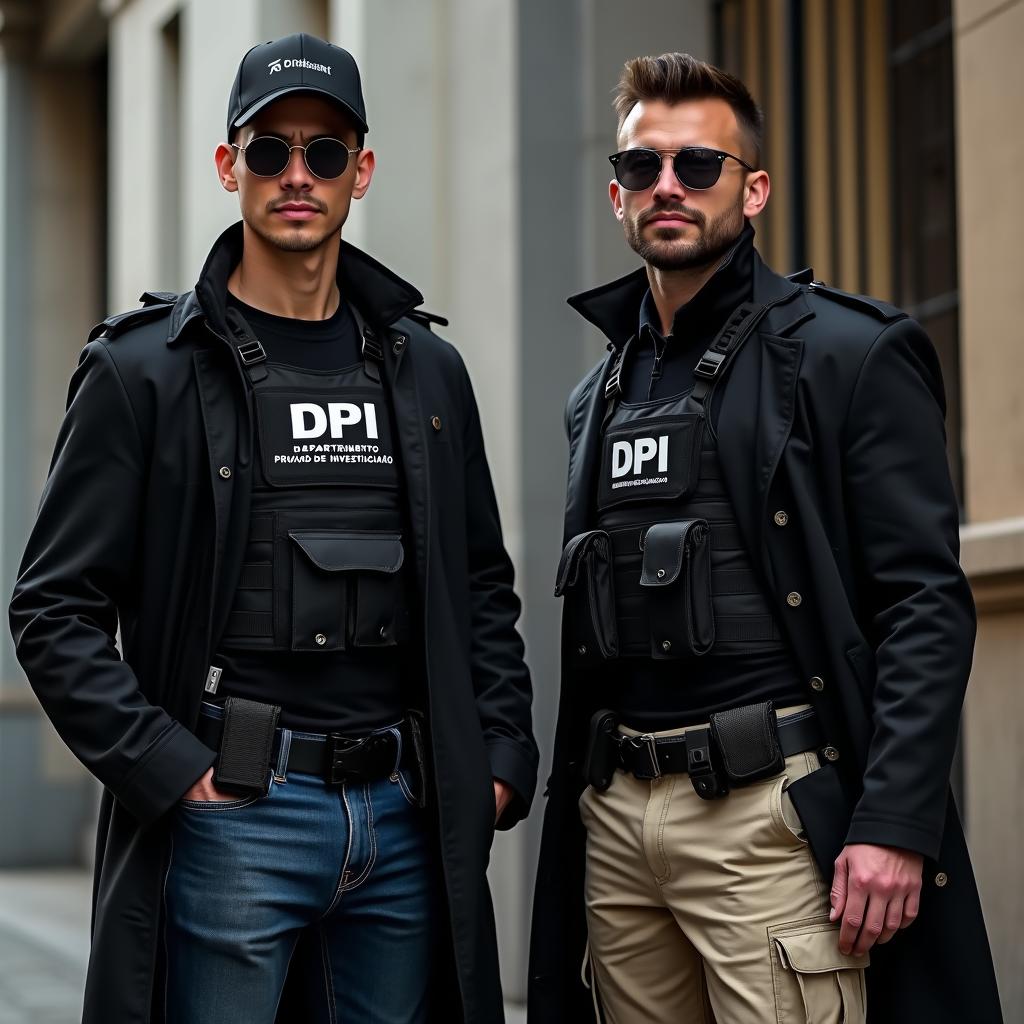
(813, 979)
(403, 780)
(220, 805)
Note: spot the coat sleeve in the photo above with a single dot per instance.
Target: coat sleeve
(501, 680)
(915, 603)
(76, 571)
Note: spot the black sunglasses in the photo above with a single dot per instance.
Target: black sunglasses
(696, 167)
(267, 156)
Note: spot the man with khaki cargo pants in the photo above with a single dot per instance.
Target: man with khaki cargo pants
(766, 632)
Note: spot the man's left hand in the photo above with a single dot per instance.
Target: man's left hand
(876, 891)
(502, 798)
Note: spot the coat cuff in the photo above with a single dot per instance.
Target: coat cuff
(171, 765)
(885, 832)
(511, 764)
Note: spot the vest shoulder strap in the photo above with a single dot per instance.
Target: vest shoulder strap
(251, 353)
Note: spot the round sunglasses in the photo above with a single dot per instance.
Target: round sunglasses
(267, 156)
(696, 167)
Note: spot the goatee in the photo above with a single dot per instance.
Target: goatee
(665, 253)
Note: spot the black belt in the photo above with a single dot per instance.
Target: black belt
(650, 757)
(334, 757)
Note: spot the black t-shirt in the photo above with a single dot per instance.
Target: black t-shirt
(649, 694)
(353, 691)
(310, 344)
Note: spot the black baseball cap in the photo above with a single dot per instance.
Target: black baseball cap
(300, 63)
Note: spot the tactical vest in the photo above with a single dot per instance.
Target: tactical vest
(666, 573)
(659, 483)
(322, 566)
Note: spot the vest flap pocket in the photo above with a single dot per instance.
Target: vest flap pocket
(349, 550)
(573, 555)
(665, 548)
(585, 577)
(676, 575)
(346, 590)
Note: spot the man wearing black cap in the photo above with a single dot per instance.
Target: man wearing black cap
(275, 487)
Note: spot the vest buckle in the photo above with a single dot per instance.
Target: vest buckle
(709, 365)
(251, 352)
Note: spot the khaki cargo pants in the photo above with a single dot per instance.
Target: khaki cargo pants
(711, 911)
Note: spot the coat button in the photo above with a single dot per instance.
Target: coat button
(817, 684)
(435, 422)
(793, 599)
(320, 639)
(582, 649)
(781, 518)
(666, 645)
(942, 879)
(830, 754)
(225, 472)
(661, 574)
(398, 343)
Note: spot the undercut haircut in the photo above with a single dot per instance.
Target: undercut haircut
(675, 77)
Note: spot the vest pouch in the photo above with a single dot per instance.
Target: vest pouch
(347, 590)
(676, 576)
(585, 579)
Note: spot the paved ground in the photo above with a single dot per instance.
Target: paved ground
(44, 924)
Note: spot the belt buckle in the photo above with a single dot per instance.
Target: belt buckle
(646, 742)
(339, 747)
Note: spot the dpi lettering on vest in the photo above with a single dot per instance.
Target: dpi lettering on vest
(630, 456)
(311, 420)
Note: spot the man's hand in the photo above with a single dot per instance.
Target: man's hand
(876, 891)
(503, 793)
(204, 789)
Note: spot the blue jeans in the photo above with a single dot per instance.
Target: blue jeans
(247, 876)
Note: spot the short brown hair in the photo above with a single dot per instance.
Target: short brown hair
(674, 77)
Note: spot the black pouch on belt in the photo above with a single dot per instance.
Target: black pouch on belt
(676, 575)
(585, 577)
(748, 742)
(602, 750)
(246, 746)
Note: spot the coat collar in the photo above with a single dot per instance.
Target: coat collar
(382, 295)
(612, 308)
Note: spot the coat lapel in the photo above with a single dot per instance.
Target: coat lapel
(400, 373)
(759, 401)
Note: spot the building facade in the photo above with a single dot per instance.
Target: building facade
(892, 146)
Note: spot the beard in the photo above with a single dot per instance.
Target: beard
(299, 239)
(301, 236)
(665, 251)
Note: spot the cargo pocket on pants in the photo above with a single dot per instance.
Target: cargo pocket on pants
(814, 982)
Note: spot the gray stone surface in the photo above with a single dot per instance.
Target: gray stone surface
(44, 923)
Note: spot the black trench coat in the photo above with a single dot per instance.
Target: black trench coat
(142, 524)
(832, 413)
